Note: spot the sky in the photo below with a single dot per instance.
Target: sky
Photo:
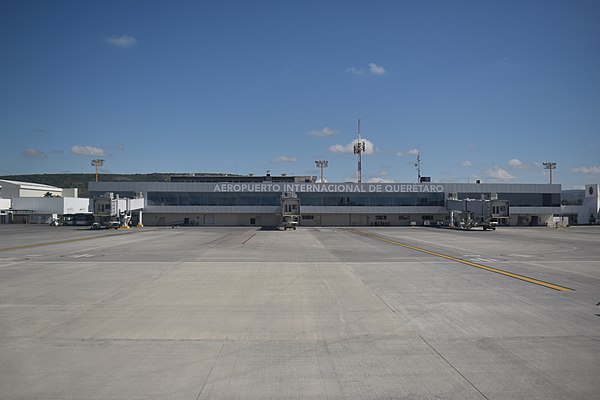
(486, 90)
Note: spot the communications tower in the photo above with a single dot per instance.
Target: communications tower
(418, 166)
(359, 148)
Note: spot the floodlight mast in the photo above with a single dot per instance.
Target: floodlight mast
(359, 148)
(97, 163)
(550, 165)
(322, 164)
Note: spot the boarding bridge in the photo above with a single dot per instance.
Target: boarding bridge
(470, 213)
(290, 210)
(110, 211)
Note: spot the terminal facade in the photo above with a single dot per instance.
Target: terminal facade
(255, 201)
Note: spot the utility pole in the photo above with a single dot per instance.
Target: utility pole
(550, 165)
(418, 165)
(97, 163)
(322, 164)
(359, 148)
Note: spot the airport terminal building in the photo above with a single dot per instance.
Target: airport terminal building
(255, 200)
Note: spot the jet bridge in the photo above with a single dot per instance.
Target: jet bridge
(470, 213)
(110, 211)
(290, 210)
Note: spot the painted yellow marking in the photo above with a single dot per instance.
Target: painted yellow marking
(472, 264)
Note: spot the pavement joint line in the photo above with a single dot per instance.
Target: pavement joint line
(211, 369)
(469, 263)
(32, 245)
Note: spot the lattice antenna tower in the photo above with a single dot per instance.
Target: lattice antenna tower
(359, 148)
(418, 165)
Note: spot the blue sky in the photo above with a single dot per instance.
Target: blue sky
(483, 89)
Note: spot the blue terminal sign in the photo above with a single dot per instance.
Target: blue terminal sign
(330, 187)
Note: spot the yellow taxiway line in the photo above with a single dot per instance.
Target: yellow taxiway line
(469, 263)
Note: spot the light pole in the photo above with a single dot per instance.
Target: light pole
(550, 165)
(97, 163)
(322, 164)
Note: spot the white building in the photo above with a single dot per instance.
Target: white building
(34, 203)
(255, 200)
(12, 189)
(229, 200)
(591, 206)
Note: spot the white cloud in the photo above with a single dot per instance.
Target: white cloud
(515, 163)
(121, 41)
(355, 71)
(500, 174)
(285, 159)
(373, 69)
(380, 180)
(322, 132)
(412, 152)
(467, 164)
(349, 148)
(587, 170)
(33, 153)
(340, 148)
(376, 69)
(88, 151)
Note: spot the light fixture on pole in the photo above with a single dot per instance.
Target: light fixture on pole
(322, 164)
(97, 163)
(550, 165)
(359, 148)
